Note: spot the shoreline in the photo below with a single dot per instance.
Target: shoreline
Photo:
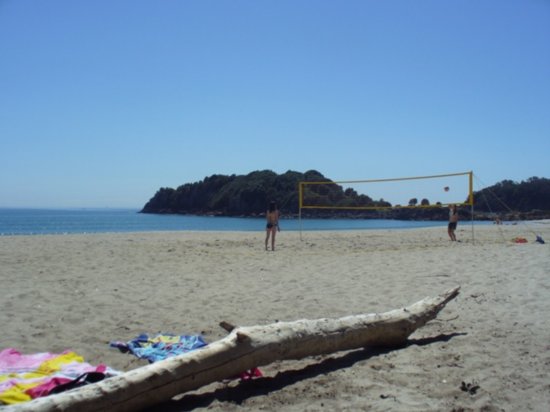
(434, 225)
(81, 291)
(463, 225)
(86, 222)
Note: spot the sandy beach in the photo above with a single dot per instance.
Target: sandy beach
(80, 292)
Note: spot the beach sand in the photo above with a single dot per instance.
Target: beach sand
(80, 292)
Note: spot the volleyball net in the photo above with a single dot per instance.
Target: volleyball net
(391, 193)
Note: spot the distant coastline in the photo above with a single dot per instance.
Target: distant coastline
(248, 195)
(396, 214)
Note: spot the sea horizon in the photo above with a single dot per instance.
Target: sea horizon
(42, 221)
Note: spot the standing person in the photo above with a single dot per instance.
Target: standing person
(453, 220)
(272, 225)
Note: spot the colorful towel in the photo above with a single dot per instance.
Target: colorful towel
(160, 346)
(25, 377)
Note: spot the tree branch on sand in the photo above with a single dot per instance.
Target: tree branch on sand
(242, 349)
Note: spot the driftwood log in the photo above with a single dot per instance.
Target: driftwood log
(244, 348)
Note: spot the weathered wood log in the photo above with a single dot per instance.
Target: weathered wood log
(244, 348)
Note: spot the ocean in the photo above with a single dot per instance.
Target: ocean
(65, 221)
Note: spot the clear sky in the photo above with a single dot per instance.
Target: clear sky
(104, 102)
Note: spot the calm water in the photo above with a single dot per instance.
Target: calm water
(38, 221)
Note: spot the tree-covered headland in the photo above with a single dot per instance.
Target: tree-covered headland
(249, 195)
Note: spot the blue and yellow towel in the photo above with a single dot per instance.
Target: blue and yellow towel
(161, 346)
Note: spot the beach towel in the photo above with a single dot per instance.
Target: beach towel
(26, 377)
(161, 346)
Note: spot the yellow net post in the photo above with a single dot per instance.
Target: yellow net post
(471, 199)
(300, 204)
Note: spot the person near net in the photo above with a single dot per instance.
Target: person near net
(453, 221)
(272, 225)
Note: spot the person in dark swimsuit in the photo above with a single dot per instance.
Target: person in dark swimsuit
(272, 226)
(453, 220)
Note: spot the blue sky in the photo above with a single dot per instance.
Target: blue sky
(104, 102)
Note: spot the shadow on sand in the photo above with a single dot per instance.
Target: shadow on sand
(265, 385)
